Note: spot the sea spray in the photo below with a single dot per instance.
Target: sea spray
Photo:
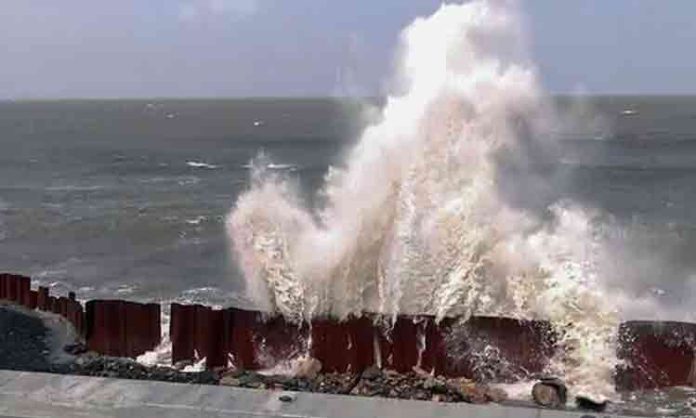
(417, 220)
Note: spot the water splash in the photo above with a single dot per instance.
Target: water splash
(422, 218)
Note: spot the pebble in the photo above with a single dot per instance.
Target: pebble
(286, 398)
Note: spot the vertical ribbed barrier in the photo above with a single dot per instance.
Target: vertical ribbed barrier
(197, 332)
(182, 322)
(346, 346)
(15, 288)
(113, 327)
(42, 299)
(503, 349)
(656, 355)
(398, 344)
(120, 328)
(242, 336)
(490, 349)
(487, 349)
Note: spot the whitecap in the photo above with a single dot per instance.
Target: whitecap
(125, 289)
(196, 221)
(273, 166)
(187, 181)
(281, 167)
(74, 188)
(197, 164)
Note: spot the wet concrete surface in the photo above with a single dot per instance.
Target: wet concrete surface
(30, 395)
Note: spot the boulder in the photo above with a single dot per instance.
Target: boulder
(550, 392)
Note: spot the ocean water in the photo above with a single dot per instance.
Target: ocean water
(129, 199)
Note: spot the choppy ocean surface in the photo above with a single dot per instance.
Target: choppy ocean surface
(129, 198)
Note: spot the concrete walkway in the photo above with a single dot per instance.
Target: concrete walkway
(26, 394)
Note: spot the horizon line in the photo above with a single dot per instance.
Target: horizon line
(293, 97)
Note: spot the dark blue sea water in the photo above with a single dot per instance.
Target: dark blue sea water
(128, 198)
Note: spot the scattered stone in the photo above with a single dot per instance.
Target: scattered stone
(472, 393)
(371, 373)
(182, 364)
(339, 383)
(250, 379)
(104, 366)
(232, 373)
(255, 385)
(412, 385)
(75, 349)
(286, 398)
(229, 381)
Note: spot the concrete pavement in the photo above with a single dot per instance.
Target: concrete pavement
(33, 395)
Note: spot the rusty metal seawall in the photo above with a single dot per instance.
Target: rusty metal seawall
(652, 354)
(110, 327)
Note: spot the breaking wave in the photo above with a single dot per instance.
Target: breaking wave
(438, 208)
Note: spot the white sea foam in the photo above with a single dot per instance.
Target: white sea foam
(125, 289)
(75, 188)
(419, 221)
(196, 221)
(188, 181)
(197, 164)
(267, 165)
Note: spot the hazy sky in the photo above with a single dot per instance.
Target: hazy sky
(127, 48)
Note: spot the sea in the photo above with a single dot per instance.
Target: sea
(128, 198)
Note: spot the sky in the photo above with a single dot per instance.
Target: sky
(242, 48)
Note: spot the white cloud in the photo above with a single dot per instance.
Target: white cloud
(195, 9)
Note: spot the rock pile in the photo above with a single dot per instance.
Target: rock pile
(90, 364)
(373, 382)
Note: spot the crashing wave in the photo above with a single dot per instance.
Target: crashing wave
(438, 209)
